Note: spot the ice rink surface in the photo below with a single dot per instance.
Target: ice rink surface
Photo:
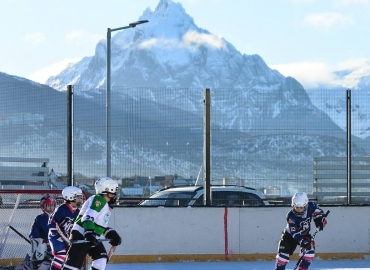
(257, 265)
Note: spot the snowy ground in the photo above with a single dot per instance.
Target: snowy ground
(260, 265)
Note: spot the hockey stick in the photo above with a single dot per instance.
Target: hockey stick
(62, 235)
(85, 241)
(111, 251)
(25, 238)
(21, 235)
(312, 238)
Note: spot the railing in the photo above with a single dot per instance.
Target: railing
(330, 179)
(16, 172)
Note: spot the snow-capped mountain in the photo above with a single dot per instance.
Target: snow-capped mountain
(263, 123)
(334, 103)
(332, 99)
(357, 78)
(170, 51)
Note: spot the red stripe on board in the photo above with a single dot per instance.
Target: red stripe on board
(226, 235)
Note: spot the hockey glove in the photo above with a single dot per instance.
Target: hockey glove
(320, 222)
(90, 236)
(305, 242)
(115, 239)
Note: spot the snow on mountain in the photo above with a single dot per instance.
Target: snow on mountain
(332, 99)
(170, 51)
(42, 75)
(355, 78)
(70, 73)
(334, 103)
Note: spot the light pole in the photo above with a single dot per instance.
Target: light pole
(109, 36)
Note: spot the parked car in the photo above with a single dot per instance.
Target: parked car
(89, 190)
(193, 196)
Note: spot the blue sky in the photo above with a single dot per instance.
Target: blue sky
(306, 39)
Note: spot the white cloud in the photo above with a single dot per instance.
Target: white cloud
(359, 68)
(79, 37)
(157, 42)
(316, 74)
(75, 34)
(191, 38)
(35, 38)
(148, 43)
(327, 20)
(198, 39)
(353, 63)
(309, 74)
(42, 75)
(305, 1)
(365, 3)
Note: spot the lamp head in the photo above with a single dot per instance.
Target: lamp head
(133, 24)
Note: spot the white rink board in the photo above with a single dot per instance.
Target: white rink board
(189, 230)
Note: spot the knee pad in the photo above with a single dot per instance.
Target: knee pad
(99, 264)
(59, 258)
(282, 258)
(44, 266)
(68, 267)
(309, 255)
(307, 259)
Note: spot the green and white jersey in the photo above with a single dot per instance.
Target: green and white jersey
(94, 215)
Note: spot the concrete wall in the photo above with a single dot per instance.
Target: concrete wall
(151, 234)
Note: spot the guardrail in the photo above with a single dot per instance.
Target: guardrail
(17, 171)
(330, 178)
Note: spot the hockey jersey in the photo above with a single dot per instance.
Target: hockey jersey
(94, 215)
(298, 227)
(40, 227)
(64, 216)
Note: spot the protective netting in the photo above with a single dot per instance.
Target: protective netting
(261, 137)
(18, 209)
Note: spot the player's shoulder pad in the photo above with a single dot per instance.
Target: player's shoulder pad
(312, 205)
(289, 215)
(98, 202)
(62, 207)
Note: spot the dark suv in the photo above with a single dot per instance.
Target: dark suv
(193, 196)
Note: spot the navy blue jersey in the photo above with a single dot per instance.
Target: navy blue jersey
(64, 216)
(40, 227)
(298, 227)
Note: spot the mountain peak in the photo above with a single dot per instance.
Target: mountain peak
(163, 5)
(169, 13)
(171, 50)
(166, 5)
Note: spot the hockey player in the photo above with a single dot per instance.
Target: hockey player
(91, 224)
(39, 234)
(61, 222)
(297, 231)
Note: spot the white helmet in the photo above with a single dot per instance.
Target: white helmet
(70, 193)
(300, 200)
(107, 185)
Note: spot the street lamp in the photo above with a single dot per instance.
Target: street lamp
(109, 31)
